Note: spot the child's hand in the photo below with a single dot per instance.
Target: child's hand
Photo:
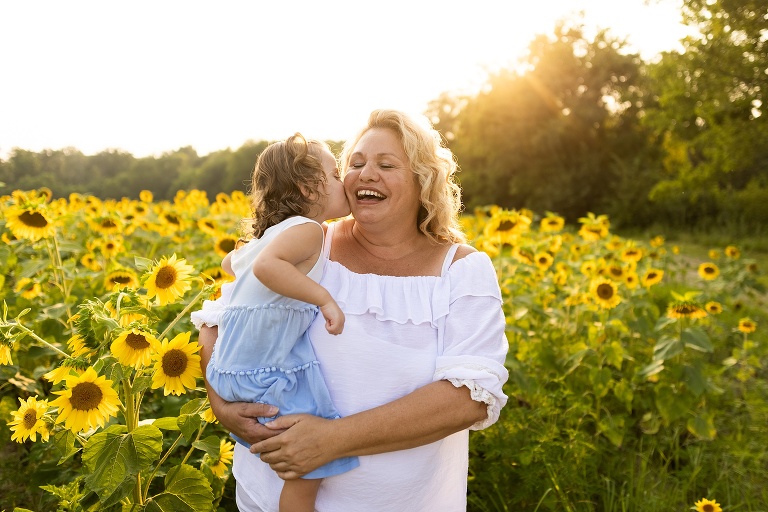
(334, 317)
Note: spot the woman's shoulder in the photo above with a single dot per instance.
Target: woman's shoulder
(462, 251)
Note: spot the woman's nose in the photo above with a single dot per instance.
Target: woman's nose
(368, 172)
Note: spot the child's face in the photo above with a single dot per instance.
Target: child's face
(335, 203)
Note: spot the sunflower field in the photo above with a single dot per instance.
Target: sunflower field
(637, 373)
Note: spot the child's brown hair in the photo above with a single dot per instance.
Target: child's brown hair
(285, 177)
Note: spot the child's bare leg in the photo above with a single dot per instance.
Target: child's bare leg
(299, 495)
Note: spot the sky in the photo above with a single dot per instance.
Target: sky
(148, 77)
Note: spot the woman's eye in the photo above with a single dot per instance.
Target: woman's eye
(356, 165)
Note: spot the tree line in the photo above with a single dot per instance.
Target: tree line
(583, 125)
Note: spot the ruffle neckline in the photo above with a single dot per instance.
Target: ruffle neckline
(414, 299)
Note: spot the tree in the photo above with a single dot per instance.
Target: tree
(711, 115)
(561, 135)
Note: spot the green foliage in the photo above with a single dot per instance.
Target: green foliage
(560, 135)
(639, 405)
(711, 118)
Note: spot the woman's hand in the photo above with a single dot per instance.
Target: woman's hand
(300, 447)
(240, 418)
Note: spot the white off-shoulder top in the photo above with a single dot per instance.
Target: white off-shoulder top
(400, 334)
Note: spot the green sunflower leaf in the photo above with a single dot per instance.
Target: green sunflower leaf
(114, 456)
(697, 339)
(186, 490)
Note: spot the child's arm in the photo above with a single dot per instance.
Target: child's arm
(282, 267)
(226, 264)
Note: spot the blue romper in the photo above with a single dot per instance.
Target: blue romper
(263, 353)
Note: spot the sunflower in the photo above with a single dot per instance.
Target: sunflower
(28, 288)
(58, 374)
(111, 247)
(90, 262)
(705, 505)
(713, 307)
(77, 346)
(657, 241)
(551, 223)
(594, 227)
(588, 268)
(88, 401)
(615, 272)
(121, 278)
(708, 271)
(685, 309)
(134, 348)
(209, 416)
(543, 260)
(177, 365)
(109, 224)
(505, 226)
(604, 293)
(28, 421)
(631, 279)
(632, 254)
(733, 252)
(29, 222)
(146, 196)
(615, 243)
(651, 277)
(5, 354)
(225, 244)
(713, 254)
(168, 280)
(746, 325)
(208, 226)
(226, 453)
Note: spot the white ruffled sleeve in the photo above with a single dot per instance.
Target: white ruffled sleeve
(474, 341)
(211, 311)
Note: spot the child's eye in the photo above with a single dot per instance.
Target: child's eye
(356, 165)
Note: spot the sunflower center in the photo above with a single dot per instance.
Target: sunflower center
(709, 270)
(708, 508)
(108, 224)
(227, 245)
(174, 363)
(505, 225)
(30, 418)
(616, 271)
(605, 291)
(166, 277)
(172, 219)
(33, 219)
(685, 309)
(86, 396)
(652, 275)
(122, 279)
(136, 341)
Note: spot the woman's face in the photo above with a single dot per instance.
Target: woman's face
(379, 182)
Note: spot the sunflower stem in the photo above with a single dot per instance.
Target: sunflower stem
(183, 313)
(130, 412)
(58, 271)
(159, 464)
(192, 448)
(32, 334)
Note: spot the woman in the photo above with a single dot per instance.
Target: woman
(420, 361)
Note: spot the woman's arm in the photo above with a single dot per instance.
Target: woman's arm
(424, 416)
(240, 418)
